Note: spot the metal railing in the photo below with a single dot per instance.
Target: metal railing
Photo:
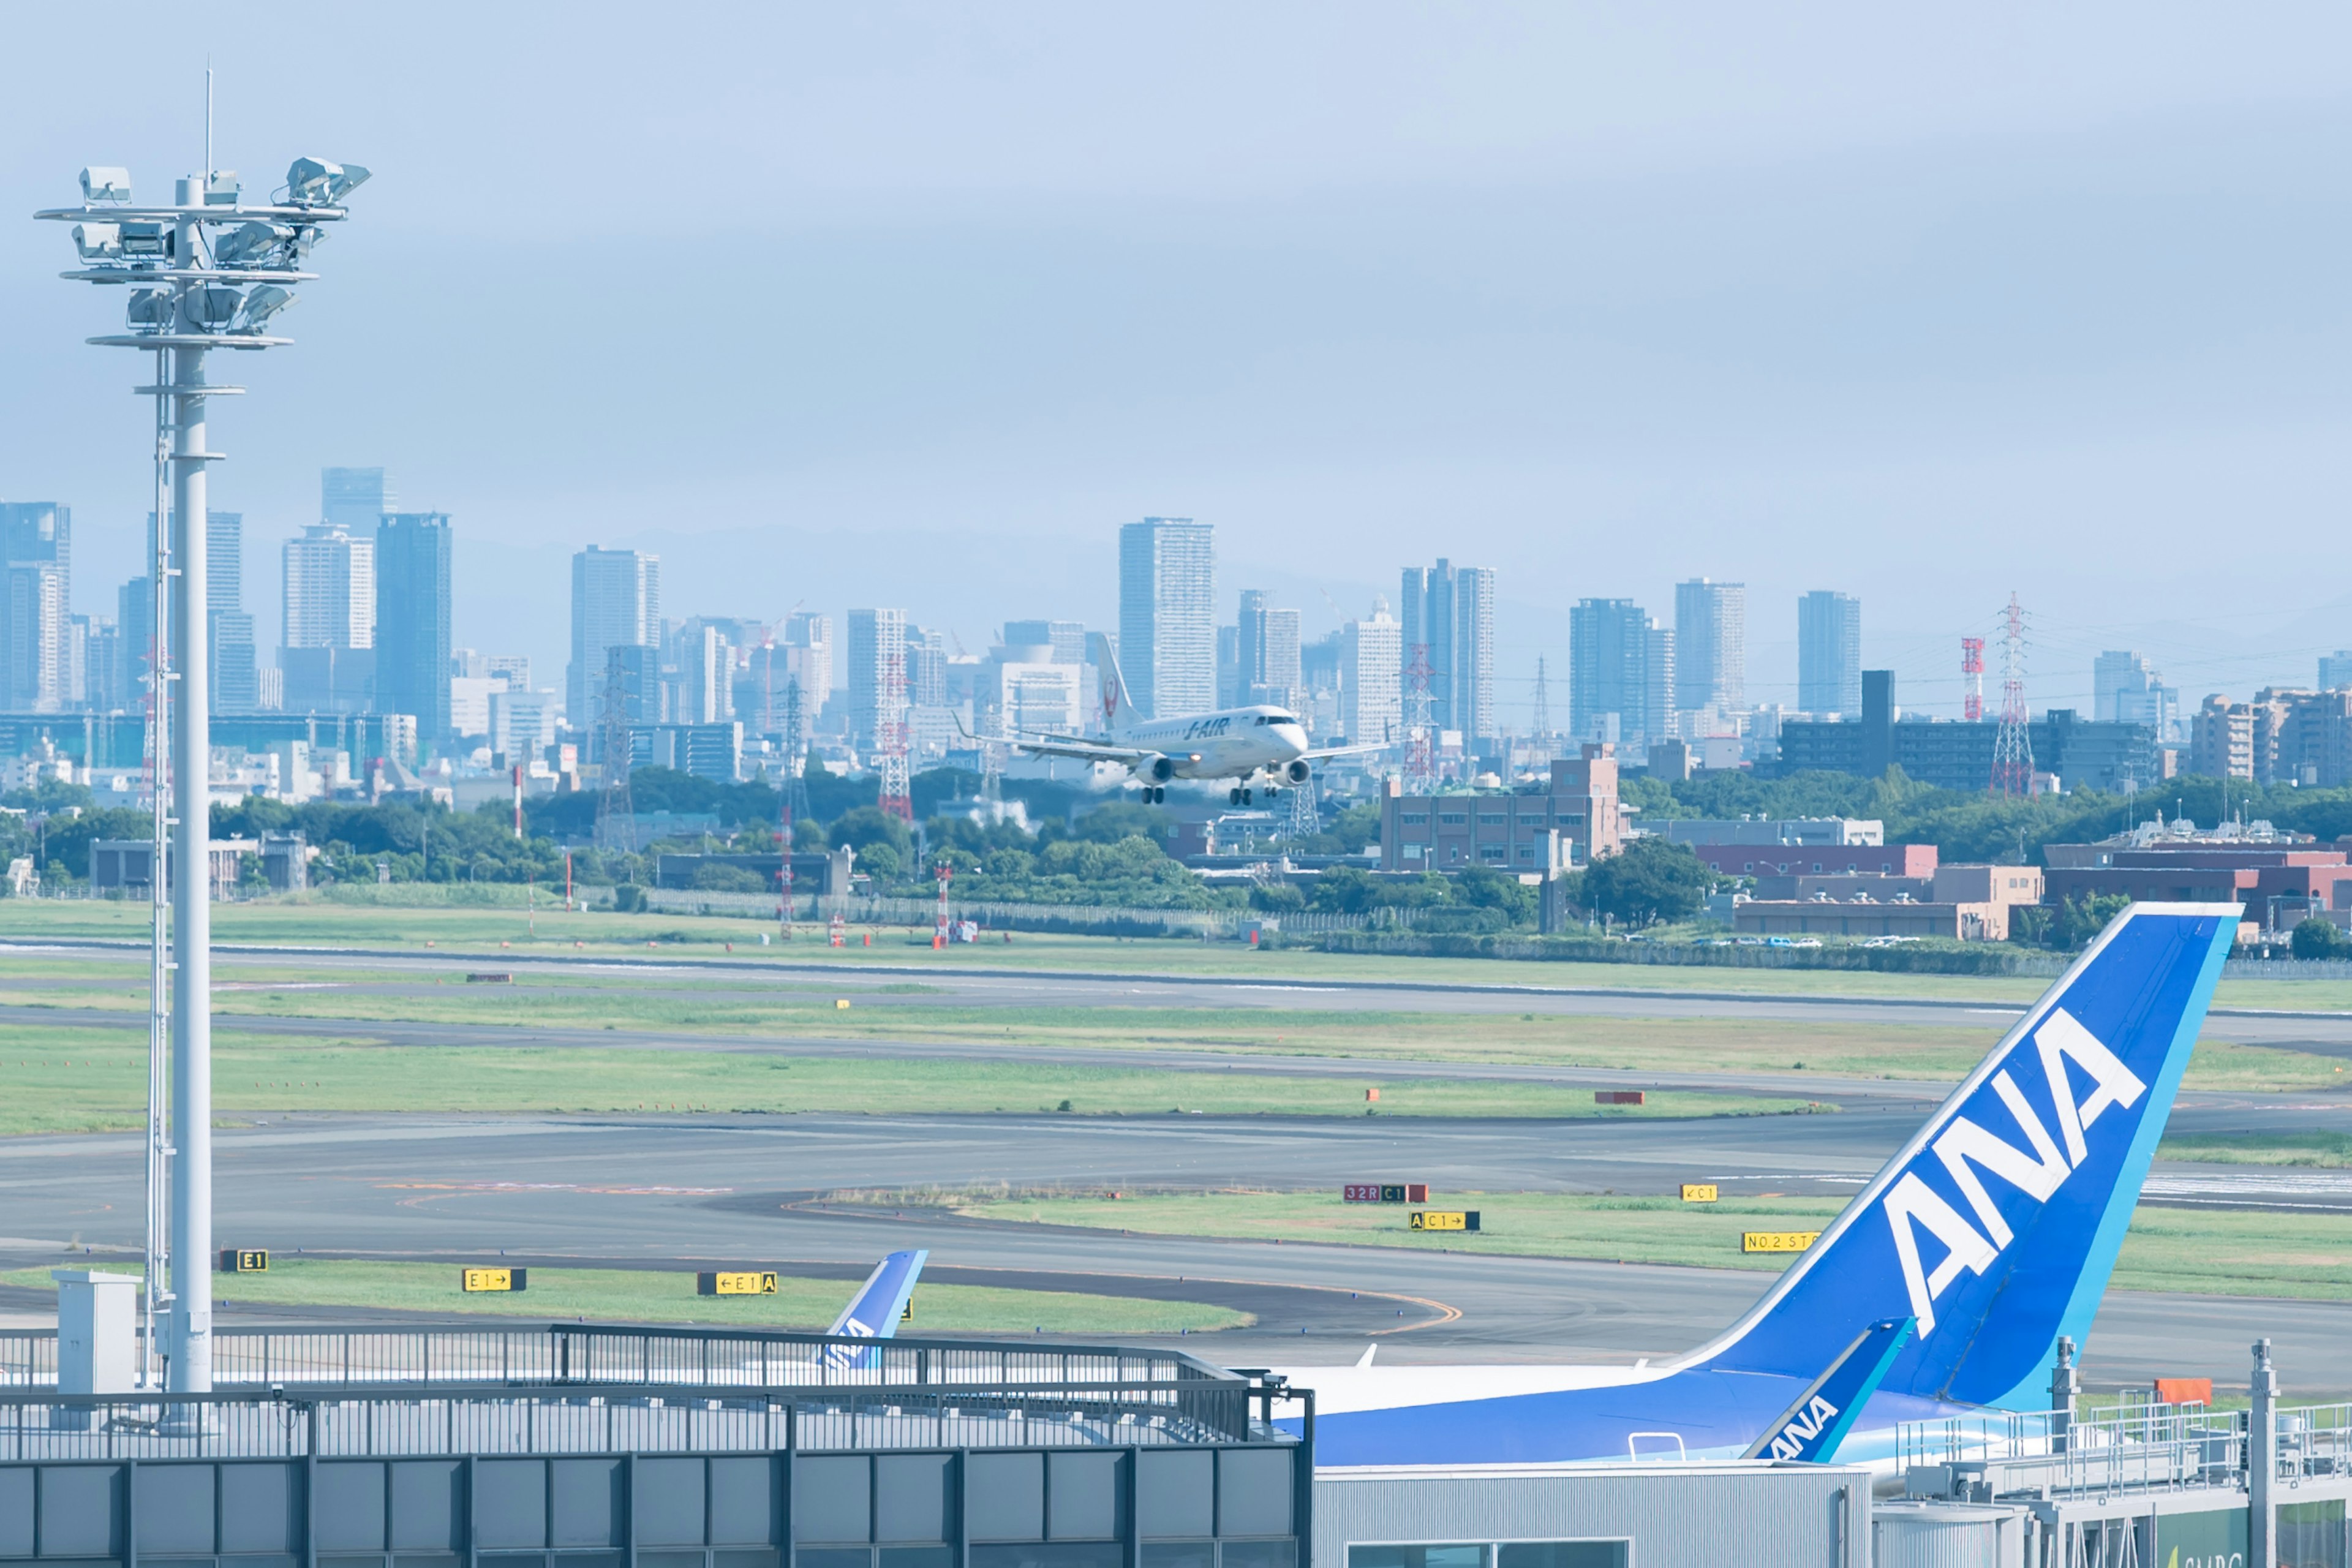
(2152, 1448)
(569, 1420)
(605, 1353)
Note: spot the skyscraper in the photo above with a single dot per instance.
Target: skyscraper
(1829, 654)
(330, 582)
(615, 603)
(1370, 703)
(1067, 639)
(1167, 616)
(1280, 679)
(877, 645)
(411, 621)
(1619, 674)
(353, 500)
(808, 659)
(35, 605)
(1473, 651)
(1711, 646)
(134, 625)
(236, 680)
(1448, 611)
(1249, 649)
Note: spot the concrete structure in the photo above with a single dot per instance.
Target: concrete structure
(1736, 860)
(1970, 903)
(2114, 757)
(1507, 832)
(2280, 884)
(522, 725)
(1067, 639)
(1372, 655)
(1621, 675)
(615, 603)
(127, 865)
(413, 552)
(1710, 646)
(236, 677)
(1029, 687)
(1167, 616)
(1449, 612)
(1838, 831)
(35, 605)
(2335, 670)
(1828, 653)
(712, 752)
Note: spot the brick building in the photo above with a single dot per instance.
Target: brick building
(1507, 832)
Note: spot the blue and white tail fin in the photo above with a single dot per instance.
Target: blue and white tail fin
(874, 1313)
(1997, 1226)
(1817, 1420)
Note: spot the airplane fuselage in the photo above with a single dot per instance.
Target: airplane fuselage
(1236, 743)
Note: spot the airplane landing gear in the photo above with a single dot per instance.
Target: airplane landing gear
(1234, 795)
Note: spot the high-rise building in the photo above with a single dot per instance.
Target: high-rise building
(877, 645)
(1473, 651)
(1248, 677)
(1620, 676)
(1281, 681)
(2113, 673)
(235, 664)
(1828, 653)
(808, 659)
(36, 606)
(1448, 613)
(706, 675)
(1167, 616)
(353, 500)
(1067, 639)
(134, 628)
(615, 603)
(1710, 646)
(2335, 670)
(330, 585)
(1370, 701)
(413, 553)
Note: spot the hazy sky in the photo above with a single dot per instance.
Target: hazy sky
(917, 304)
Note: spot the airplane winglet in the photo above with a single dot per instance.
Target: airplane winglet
(1810, 1429)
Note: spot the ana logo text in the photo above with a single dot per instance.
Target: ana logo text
(1809, 1423)
(1967, 1149)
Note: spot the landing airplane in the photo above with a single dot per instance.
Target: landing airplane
(874, 1313)
(1992, 1232)
(1244, 744)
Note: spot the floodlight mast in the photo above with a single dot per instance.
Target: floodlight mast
(197, 289)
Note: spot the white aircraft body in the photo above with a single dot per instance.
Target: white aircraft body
(1255, 745)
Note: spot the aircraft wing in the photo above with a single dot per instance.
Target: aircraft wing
(1084, 751)
(1317, 755)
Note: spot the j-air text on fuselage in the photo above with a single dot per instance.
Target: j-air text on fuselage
(1260, 746)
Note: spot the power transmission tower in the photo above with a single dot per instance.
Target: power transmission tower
(1420, 739)
(2012, 747)
(1306, 819)
(616, 825)
(1541, 723)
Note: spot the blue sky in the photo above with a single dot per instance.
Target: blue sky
(915, 304)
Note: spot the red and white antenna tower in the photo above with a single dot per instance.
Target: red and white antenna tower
(890, 739)
(2012, 746)
(1972, 666)
(941, 931)
(1420, 736)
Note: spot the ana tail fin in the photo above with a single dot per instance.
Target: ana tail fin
(1815, 1424)
(1997, 1224)
(874, 1313)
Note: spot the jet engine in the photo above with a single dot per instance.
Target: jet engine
(1297, 772)
(1160, 770)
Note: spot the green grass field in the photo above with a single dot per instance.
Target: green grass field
(644, 1296)
(2225, 1252)
(2329, 1150)
(900, 1010)
(77, 1080)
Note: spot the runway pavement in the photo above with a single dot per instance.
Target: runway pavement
(656, 1191)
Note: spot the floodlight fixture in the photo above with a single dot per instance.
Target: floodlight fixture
(104, 187)
(262, 303)
(314, 182)
(206, 272)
